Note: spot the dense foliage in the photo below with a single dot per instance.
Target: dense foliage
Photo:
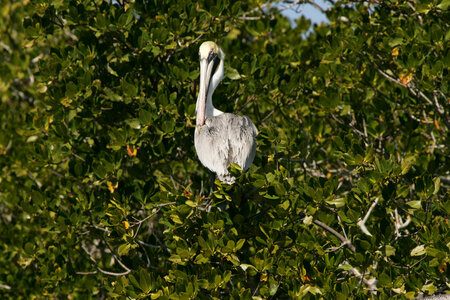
(101, 192)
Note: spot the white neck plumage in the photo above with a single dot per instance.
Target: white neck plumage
(208, 83)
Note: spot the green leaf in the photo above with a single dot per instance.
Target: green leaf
(312, 289)
(406, 164)
(144, 281)
(418, 251)
(176, 219)
(285, 205)
(444, 4)
(134, 123)
(71, 89)
(396, 41)
(246, 266)
(240, 243)
(124, 249)
(145, 117)
(97, 151)
(345, 267)
(414, 204)
(437, 185)
(429, 288)
(111, 71)
(129, 89)
(389, 250)
(308, 220)
(232, 74)
(339, 202)
(200, 259)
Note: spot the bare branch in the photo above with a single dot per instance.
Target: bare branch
(354, 129)
(345, 241)
(389, 77)
(292, 4)
(87, 273)
(139, 222)
(418, 93)
(245, 15)
(116, 257)
(38, 183)
(431, 131)
(410, 266)
(440, 109)
(365, 128)
(146, 218)
(193, 41)
(362, 223)
(112, 273)
(398, 222)
(100, 269)
(166, 204)
(100, 228)
(266, 117)
(371, 283)
(244, 18)
(147, 244)
(324, 11)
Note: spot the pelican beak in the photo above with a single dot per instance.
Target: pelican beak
(207, 68)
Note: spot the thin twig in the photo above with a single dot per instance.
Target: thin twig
(398, 222)
(117, 257)
(371, 283)
(147, 244)
(440, 109)
(411, 266)
(259, 7)
(113, 273)
(79, 157)
(365, 129)
(362, 223)
(188, 44)
(243, 18)
(100, 269)
(87, 273)
(166, 204)
(417, 93)
(266, 117)
(139, 222)
(324, 11)
(345, 241)
(292, 4)
(100, 228)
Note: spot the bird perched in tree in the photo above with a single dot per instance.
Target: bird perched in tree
(220, 138)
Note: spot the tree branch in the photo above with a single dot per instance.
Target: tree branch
(127, 270)
(362, 223)
(371, 283)
(418, 93)
(398, 222)
(345, 241)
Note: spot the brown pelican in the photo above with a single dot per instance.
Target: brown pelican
(220, 138)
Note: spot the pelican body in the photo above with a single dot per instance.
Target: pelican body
(220, 138)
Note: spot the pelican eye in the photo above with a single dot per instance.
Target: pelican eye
(212, 56)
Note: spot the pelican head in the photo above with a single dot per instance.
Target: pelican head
(211, 73)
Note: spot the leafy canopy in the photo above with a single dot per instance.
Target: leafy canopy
(101, 193)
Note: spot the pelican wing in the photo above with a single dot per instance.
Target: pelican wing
(224, 139)
(241, 138)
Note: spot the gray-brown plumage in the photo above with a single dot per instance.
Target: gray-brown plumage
(220, 138)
